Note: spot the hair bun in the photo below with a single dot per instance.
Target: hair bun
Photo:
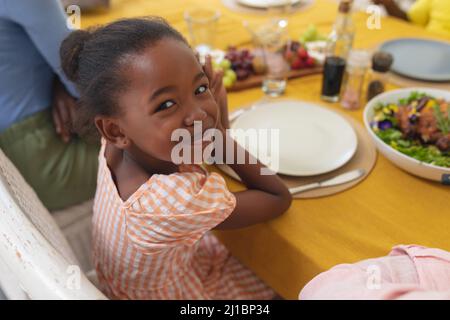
(70, 52)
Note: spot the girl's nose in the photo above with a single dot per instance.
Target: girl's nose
(195, 114)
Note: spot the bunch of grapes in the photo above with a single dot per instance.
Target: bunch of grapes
(241, 62)
(238, 64)
(311, 34)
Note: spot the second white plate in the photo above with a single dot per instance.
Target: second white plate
(262, 4)
(312, 139)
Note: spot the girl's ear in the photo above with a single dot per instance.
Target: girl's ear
(111, 131)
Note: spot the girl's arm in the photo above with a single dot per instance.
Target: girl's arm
(266, 198)
(45, 23)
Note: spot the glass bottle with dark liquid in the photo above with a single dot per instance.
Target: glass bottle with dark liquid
(333, 72)
(339, 44)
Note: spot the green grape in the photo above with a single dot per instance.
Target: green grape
(311, 34)
(227, 82)
(231, 74)
(225, 64)
(307, 35)
(303, 39)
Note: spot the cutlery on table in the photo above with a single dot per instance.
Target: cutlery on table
(337, 180)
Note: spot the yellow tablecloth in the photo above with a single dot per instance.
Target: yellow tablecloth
(390, 207)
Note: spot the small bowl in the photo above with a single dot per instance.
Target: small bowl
(403, 161)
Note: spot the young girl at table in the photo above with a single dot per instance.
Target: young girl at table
(139, 81)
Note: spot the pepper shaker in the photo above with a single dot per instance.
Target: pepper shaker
(381, 63)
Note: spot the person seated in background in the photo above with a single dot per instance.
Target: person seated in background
(36, 108)
(434, 15)
(409, 272)
(87, 4)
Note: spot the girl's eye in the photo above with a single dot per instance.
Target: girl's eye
(165, 105)
(202, 89)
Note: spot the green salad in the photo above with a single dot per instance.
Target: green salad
(418, 126)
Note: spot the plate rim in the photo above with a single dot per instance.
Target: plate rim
(355, 139)
(262, 6)
(444, 78)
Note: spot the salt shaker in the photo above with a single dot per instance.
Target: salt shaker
(357, 64)
(381, 63)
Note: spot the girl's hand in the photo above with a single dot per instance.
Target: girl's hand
(218, 90)
(267, 197)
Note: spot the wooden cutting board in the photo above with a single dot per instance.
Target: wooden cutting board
(257, 80)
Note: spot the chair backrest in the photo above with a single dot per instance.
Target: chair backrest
(34, 254)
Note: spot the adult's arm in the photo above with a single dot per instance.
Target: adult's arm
(392, 8)
(45, 23)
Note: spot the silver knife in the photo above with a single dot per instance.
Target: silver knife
(337, 180)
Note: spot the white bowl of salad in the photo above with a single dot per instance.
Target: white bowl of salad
(411, 127)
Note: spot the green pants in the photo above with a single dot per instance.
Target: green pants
(61, 174)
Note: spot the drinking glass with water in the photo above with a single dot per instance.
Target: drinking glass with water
(269, 39)
(202, 27)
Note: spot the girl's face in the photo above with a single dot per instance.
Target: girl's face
(167, 89)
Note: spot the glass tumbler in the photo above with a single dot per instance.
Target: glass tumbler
(269, 39)
(202, 27)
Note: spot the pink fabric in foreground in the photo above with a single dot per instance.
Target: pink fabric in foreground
(408, 272)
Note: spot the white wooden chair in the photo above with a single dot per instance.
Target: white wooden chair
(36, 261)
(75, 223)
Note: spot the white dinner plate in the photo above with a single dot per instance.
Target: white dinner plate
(421, 59)
(312, 139)
(263, 4)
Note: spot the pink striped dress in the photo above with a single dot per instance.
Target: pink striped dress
(157, 244)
